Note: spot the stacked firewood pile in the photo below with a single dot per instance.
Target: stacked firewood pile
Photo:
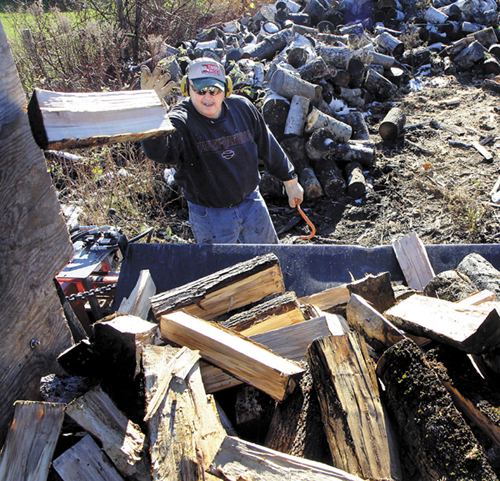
(315, 68)
(368, 380)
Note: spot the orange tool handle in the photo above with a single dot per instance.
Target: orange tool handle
(309, 223)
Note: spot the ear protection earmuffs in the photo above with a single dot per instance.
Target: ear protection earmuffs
(185, 86)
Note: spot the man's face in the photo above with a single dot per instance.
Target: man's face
(205, 103)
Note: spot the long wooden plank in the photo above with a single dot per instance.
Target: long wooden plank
(414, 261)
(34, 247)
(357, 428)
(471, 329)
(225, 290)
(121, 439)
(137, 304)
(232, 352)
(68, 120)
(85, 460)
(31, 441)
(238, 459)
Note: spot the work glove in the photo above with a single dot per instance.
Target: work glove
(156, 81)
(294, 191)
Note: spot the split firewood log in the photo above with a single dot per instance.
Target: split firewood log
(122, 440)
(238, 459)
(234, 353)
(357, 428)
(473, 330)
(433, 434)
(225, 290)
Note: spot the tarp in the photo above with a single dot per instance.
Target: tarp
(306, 269)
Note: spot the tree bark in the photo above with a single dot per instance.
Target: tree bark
(299, 108)
(392, 125)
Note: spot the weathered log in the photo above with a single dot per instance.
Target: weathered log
(393, 124)
(279, 311)
(472, 330)
(288, 85)
(290, 342)
(184, 428)
(297, 57)
(315, 69)
(296, 119)
(437, 437)
(62, 121)
(233, 353)
(356, 183)
(121, 439)
(414, 261)
(224, 290)
(316, 10)
(378, 85)
(449, 286)
(337, 57)
(137, 304)
(491, 66)
(269, 46)
(486, 37)
(470, 56)
(353, 97)
(357, 428)
(296, 427)
(342, 77)
(356, 69)
(317, 119)
(295, 148)
(85, 460)
(481, 273)
(376, 289)
(359, 128)
(390, 44)
(331, 178)
(31, 441)
(469, 390)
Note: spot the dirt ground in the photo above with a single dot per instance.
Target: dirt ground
(421, 183)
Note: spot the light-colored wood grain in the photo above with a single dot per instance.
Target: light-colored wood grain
(328, 298)
(357, 427)
(414, 261)
(34, 247)
(85, 460)
(137, 304)
(471, 329)
(83, 119)
(232, 352)
(184, 431)
(290, 342)
(238, 460)
(121, 439)
(31, 441)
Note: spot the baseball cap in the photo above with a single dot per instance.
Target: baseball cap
(204, 72)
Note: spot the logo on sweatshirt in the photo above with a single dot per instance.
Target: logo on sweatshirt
(228, 154)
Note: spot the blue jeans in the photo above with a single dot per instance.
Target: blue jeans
(248, 222)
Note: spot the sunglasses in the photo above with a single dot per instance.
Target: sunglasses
(212, 90)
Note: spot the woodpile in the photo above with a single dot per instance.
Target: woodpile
(369, 380)
(314, 68)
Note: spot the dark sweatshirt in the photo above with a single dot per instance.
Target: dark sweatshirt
(217, 160)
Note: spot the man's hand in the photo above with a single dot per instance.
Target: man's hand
(156, 81)
(294, 191)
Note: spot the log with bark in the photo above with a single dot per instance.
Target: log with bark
(225, 290)
(296, 119)
(392, 125)
(295, 149)
(433, 434)
(61, 120)
(317, 120)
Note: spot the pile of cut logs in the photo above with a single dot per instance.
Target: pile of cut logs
(313, 68)
(369, 380)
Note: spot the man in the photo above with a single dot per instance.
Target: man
(218, 141)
